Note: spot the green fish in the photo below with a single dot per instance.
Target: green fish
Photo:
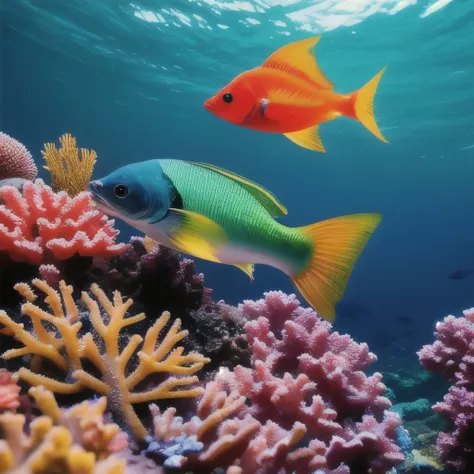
(214, 214)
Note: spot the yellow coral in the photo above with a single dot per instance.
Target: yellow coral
(49, 449)
(114, 381)
(69, 172)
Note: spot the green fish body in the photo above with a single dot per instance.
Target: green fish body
(213, 214)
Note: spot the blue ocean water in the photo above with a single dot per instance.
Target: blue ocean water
(129, 79)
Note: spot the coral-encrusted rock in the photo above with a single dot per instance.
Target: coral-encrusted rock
(40, 226)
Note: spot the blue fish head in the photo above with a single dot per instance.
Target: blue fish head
(136, 192)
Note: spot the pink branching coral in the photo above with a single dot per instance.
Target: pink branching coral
(40, 226)
(15, 159)
(452, 354)
(304, 406)
(286, 338)
(9, 391)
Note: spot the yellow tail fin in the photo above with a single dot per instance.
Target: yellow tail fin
(337, 245)
(364, 105)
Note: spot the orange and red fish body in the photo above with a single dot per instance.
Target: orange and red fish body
(290, 95)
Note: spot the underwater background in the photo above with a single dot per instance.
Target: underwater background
(129, 79)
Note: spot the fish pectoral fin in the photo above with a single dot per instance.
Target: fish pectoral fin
(264, 197)
(149, 243)
(247, 268)
(297, 55)
(308, 138)
(195, 234)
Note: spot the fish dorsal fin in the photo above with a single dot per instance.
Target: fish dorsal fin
(247, 268)
(308, 138)
(195, 234)
(264, 197)
(296, 58)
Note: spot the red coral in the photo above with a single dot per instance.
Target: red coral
(9, 391)
(39, 226)
(15, 159)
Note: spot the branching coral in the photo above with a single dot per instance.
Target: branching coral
(120, 372)
(69, 172)
(73, 441)
(40, 226)
(304, 406)
(452, 354)
(159, 280)
(15, 159)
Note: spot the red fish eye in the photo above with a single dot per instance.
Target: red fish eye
(227, 98)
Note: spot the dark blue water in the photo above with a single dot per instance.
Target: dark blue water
(129, 80)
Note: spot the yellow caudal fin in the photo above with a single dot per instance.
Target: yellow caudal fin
(337, 245)
(308, 138)
(364, 105)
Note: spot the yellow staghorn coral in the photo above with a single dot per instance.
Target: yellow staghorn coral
(58, 441)
(69, 172)
(67, 350)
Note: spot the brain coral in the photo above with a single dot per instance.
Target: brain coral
(15, 159)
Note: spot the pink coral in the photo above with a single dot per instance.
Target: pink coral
(15, 159)
(9, 391)
(39, 226)
(452, 354)
(287, 337)
(308, 407)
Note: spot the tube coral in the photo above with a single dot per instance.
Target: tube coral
(118, 371)
(40, 226)
(69, 172)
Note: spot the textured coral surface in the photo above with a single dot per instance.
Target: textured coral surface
(40, 226)
(304, 406)
(70, 170)
(452, 354)
(118, 368)
(15, 159)
(72, 441)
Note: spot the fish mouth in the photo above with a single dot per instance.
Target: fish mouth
(209, 106)
(99, 201)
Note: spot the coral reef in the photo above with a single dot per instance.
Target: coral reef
(161, 280)
(452, 354)
(40, 226)
(330, 418)
(72, 441)
(118, 371)
(15, 160)
(69, 172)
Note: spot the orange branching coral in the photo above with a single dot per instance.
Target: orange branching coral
(59, 442)
(69, 172)
(118, 375)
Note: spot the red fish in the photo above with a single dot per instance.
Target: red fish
(290, 95)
